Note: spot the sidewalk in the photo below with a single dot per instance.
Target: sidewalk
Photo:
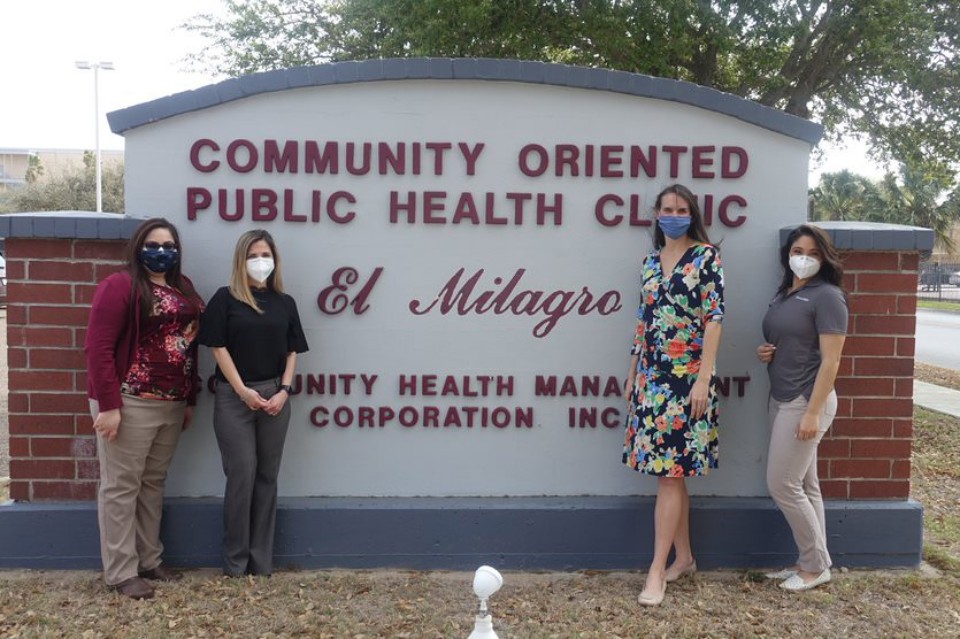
(938, 398)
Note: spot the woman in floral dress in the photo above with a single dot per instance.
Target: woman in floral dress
(671, 431)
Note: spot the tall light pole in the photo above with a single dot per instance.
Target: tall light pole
(96, 66)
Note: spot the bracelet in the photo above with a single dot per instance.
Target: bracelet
(288, 388)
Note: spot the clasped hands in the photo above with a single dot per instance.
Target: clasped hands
(255, 401)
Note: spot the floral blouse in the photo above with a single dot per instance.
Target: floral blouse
(163, 365)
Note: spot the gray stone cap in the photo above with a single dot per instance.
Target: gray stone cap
(69, 224)
(872, 236)
(636, 84)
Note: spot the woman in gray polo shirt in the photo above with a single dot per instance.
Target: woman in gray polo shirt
(804, 329)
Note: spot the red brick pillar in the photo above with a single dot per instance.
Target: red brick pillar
(50, 286)
(866, 454)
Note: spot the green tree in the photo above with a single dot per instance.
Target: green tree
(841, 196)
(918, 196)
(34, 170)
(74, 189)
(884, 69)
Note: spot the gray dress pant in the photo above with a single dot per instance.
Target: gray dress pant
(251, 446)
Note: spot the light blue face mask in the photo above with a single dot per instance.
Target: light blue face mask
(674, 226)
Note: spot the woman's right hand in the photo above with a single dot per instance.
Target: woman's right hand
(252, 399)
(628, 388)
(107, 424)
(765, 352)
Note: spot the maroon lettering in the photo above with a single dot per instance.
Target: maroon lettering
(609, 159)
(544, 209)
(235, 156)
(264, 208)
(285, 161)
(703, 158)
(333, 300)
(353, 168)
(396, 161)
(431, 205)
(454, 297)
(198, 199)
(195, 150)
(674, 152)
(730, 156)
(409, 207)
(316, 162)
(599, 209)
(439, 149)
(470, 155)
(725, 204)
(541, 158)
(567, 155)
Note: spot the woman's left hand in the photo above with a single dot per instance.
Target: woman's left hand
(699, 398)
(187, 417)
(809, 427)
(276, 402)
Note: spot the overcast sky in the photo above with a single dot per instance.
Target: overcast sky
(49, 103)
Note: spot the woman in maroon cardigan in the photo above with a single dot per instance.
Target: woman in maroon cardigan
(142, 382)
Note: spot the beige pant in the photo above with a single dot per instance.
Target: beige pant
(792, 478)
(133, 468)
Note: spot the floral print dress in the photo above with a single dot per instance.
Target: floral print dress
(661, 439)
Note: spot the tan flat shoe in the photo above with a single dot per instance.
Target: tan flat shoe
(656, 599)
(673, 575)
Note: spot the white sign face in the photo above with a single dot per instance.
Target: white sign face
(465, 257)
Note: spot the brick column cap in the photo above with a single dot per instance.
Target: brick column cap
(871, 236)
(69, 225)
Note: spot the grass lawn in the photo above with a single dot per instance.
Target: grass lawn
(339, 604)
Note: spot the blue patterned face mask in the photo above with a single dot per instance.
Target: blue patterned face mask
(674, 226)
(159, 260)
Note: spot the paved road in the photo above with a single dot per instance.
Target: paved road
(938, 338)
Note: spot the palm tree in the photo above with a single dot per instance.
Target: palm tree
(840, 196)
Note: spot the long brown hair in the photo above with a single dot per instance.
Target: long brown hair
(831, 268)
(141, 277)
(697, 231)
(239, 283)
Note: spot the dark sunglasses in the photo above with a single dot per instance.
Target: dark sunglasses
(166, 246)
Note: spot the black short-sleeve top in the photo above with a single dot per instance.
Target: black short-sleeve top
(258, 343)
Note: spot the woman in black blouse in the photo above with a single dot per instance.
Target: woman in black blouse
(254, 331)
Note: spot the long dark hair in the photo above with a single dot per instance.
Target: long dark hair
(140, 275)
(697, 231)
(831, 268)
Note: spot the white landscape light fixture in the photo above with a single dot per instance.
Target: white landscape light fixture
(486, 581)
(96, 66)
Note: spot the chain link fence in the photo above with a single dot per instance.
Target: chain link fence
(939, 281)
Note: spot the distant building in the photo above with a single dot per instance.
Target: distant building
(14, 163)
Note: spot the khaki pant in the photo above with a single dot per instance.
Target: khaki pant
(133, 469)
(793, 482)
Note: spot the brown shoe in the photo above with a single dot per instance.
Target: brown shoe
(161, 573)
(135, 588)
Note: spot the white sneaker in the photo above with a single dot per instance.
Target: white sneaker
(797, 584)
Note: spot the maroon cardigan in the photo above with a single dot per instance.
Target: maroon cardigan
(111, 343)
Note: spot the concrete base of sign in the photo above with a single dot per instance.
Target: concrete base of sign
(523, 533)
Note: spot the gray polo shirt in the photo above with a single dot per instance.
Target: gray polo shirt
(794, 323)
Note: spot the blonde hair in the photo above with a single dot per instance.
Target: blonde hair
(239, 280)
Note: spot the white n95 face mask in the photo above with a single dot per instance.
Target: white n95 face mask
(260, 268)
(804, 266)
